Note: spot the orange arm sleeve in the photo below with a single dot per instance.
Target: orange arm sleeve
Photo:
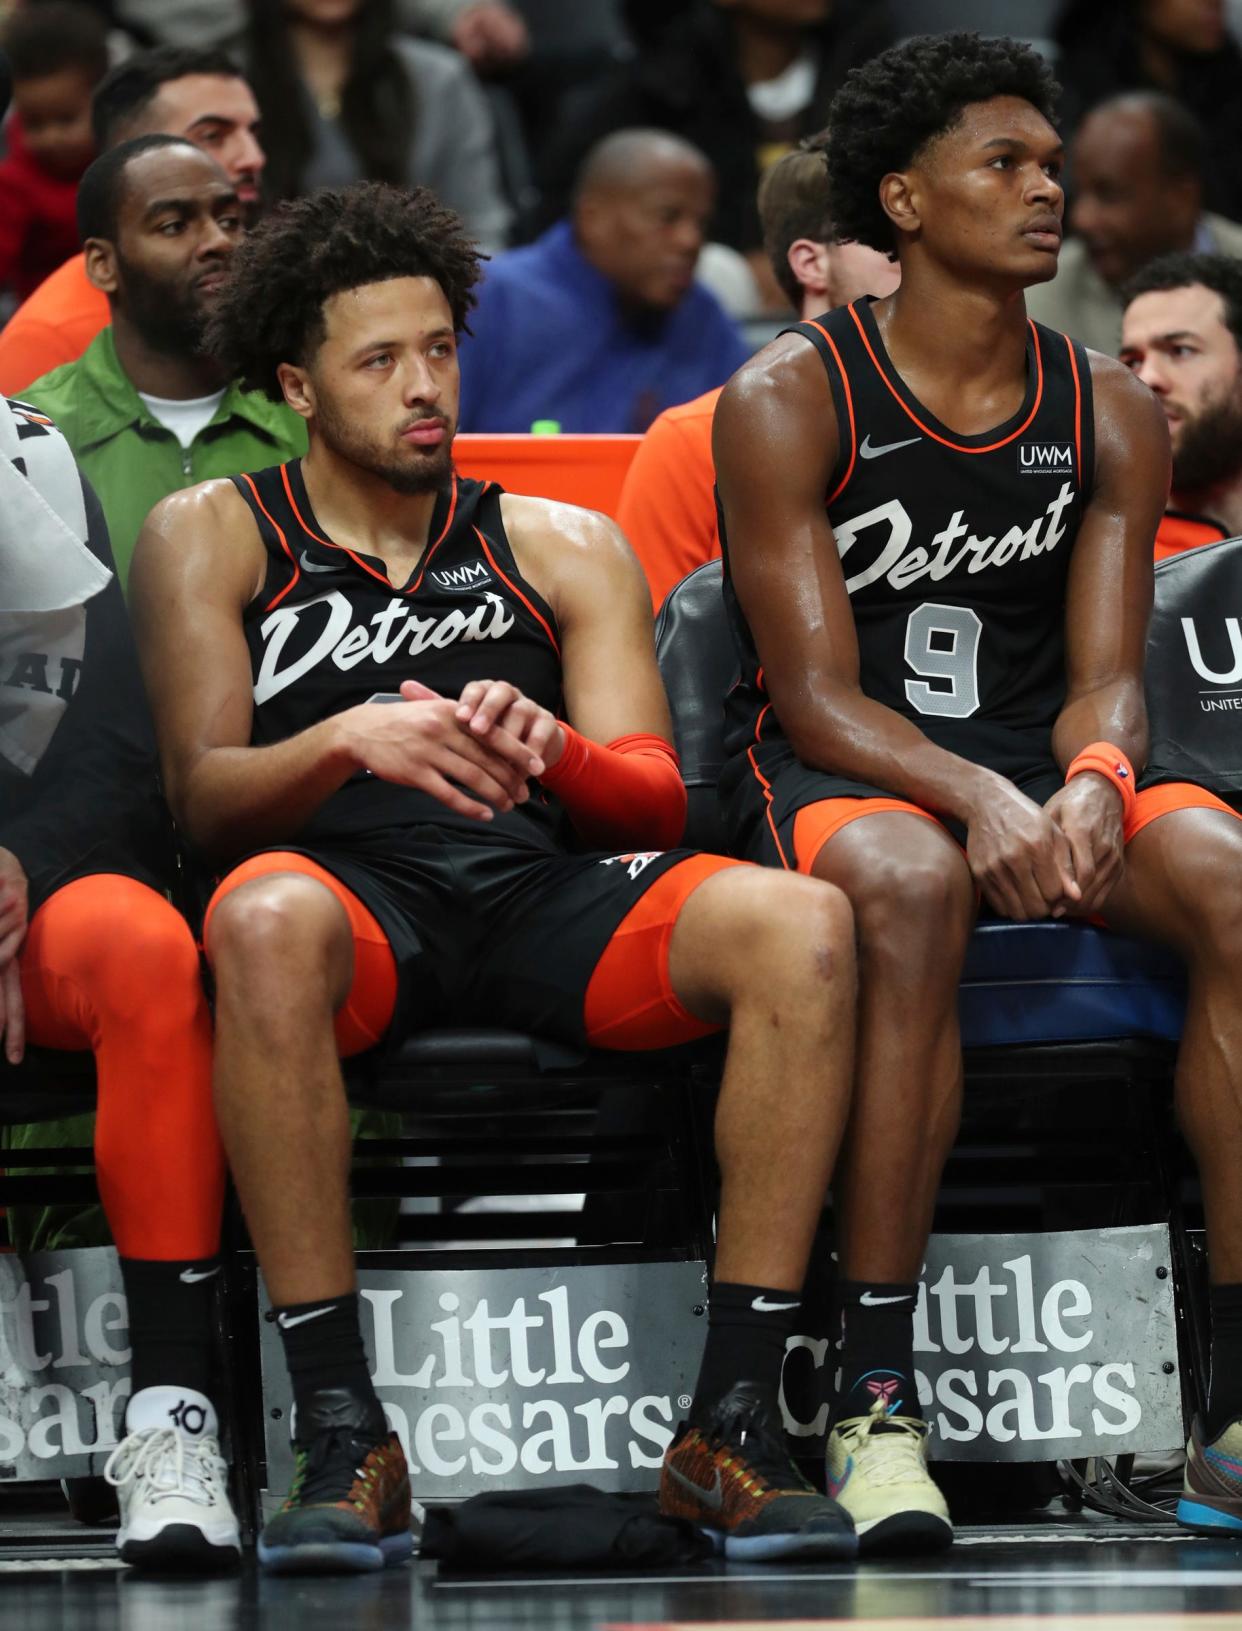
(629, 792)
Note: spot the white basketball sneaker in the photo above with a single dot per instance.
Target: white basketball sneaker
(877, 1470)
(172, 1485)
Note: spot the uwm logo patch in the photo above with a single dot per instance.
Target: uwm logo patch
(461, 579)
(1046, 458)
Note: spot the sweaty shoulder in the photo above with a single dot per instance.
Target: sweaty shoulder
(1130, 424)
(204, 533)
(562, 546)
(778, 403)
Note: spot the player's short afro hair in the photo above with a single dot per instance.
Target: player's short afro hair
(889, 108)
(270, 310)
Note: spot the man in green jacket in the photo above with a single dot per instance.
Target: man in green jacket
(143, 409)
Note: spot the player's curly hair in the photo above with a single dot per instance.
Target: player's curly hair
(889, 108)
(270, 310)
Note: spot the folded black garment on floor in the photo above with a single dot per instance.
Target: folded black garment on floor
(574, 1527)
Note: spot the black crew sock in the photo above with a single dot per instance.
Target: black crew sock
(877, 1349)
(323, 1348)
(747, 1327)
(170, 1321)
(1225, 1386)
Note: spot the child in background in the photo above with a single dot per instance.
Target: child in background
(57, 53)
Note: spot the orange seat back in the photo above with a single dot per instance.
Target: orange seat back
(586, 470)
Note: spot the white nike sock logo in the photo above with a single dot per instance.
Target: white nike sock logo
(761, 1305)
(870, 1300)
(288, 1321)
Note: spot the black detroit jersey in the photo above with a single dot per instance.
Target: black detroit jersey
(956, 552)
(489, 922)
(328, 630)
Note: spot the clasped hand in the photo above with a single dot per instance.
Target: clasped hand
(488, 744)
(1065, 858)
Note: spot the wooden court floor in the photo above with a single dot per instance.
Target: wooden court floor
(1095, 1573)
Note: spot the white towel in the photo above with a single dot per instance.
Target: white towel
(47, 575)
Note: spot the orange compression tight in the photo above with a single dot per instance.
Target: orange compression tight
(109, 965)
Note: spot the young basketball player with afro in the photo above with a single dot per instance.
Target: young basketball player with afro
(938, 522)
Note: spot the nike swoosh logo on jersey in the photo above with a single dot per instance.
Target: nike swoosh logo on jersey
(712, 1498)
(288, 1321)
(869, 452)
(191, 1277)
(761, 1305)
(870, 1300)
(313, 566)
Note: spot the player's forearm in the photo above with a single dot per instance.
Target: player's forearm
(239, 798)
(1115, 712)
(863, 740)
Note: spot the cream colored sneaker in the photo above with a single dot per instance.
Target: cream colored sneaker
(877, 1470)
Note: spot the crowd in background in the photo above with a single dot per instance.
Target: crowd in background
(650, 184)
(608, 156)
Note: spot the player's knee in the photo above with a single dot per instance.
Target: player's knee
(124, 942)
(915, 897)
(158, 955)
(798, 930)
(273, 929)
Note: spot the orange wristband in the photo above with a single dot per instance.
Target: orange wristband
(1111, 762)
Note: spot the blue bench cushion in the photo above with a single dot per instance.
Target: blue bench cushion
(1027, 983)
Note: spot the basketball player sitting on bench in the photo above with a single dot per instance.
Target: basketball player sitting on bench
(942, 691)
(384, 695)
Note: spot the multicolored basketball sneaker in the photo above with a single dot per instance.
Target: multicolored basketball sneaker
(735, 1480)
(348, 1508)
(1211, 1500)
(877, 1470)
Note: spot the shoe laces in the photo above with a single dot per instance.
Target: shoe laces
(743, 1422)
(893, 1445)
(169, 1462)
(325, 1471)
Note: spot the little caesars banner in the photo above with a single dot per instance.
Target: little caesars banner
(1039, 1347)
(1027, 1347)
(505, 1377)
(64, 1362)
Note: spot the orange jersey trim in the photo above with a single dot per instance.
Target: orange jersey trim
(356, 558)
(815, 824)
(935, 435)
(504, 578)
(368, 1008)
(1069, 346)
(284, 544)
(849, 403)
(630, 1002)
(444, 532)
(1167, 799)
(766, 785)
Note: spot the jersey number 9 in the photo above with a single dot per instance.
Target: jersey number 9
(942, 644)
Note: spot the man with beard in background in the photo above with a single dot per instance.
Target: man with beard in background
(171, 91)
(144, 410)
(1182, 336)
